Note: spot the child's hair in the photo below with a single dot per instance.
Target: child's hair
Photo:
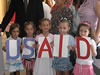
(29, 23)
(91, 30)
(68, 22)
(13, 26)
(62, 20)
(45, 19)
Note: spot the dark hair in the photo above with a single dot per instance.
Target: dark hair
(42, 20)
(75, 2)
(29, 23)
(13, 26)
(91, 30)
(45, 19)
(69, 23)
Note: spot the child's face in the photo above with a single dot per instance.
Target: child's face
(59, 2)
(45, 26)
(29, 30)
(84, 31)
(63, 28)
(15, 33)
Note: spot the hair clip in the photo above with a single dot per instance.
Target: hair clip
(65, 19)
(85, 23)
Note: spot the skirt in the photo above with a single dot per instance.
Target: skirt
(29, 64)
(62, 64)
(43, 67)
(83, 70)
(13, 66)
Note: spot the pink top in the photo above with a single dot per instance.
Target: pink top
(87, 12)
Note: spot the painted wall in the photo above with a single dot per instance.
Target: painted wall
(3, 7)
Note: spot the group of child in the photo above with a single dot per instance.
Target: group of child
(61, 24)
(48, 66)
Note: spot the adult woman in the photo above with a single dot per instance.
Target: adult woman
(75, 19)
(89, 11)
(60, 11)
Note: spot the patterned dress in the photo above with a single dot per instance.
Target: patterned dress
(57, 15)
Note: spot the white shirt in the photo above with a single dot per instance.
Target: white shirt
(88, 61)
(46, 10)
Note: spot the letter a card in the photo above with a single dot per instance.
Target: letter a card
(45, 50)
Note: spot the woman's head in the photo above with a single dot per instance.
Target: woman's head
(45, 25)
(29, 28)
(85, 30)
(64, 26)
(59, 3)
(14, 30)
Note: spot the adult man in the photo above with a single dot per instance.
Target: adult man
(30, 10)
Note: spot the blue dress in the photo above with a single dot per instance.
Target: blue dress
(63, 64)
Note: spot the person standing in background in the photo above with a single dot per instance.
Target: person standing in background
(61, 11)
(89, 11)
(26, 10)
(77, 3)
(47, 10)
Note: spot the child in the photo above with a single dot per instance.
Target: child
(63, 64)
(29, 28)
(60, 11)
(43, 65)
(14, 65)
(84, 66)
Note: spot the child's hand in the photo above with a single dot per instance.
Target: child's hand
(34, 45)
(4, 48)
(22, 46)
(52, 44)
(70, 47)
(74, 47)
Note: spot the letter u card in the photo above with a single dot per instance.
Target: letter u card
(13, 49)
